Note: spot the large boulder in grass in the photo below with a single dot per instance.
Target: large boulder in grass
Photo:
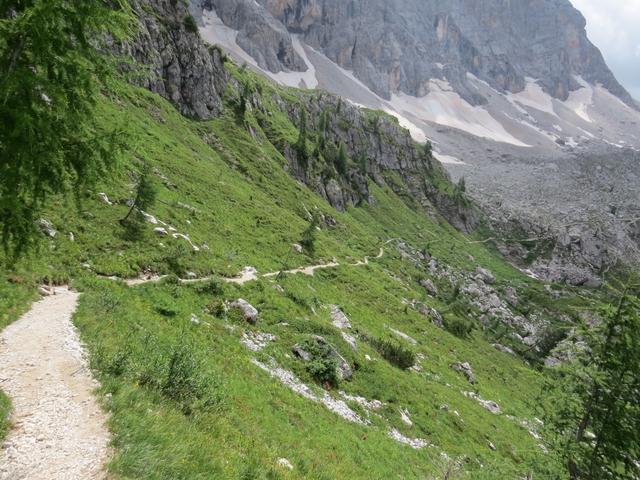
(249, 312)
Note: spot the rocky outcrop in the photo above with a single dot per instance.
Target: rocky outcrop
(260, 35)
(399, 45)
(174, 62)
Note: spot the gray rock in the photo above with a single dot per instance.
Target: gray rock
(46, 227)
(486, 276)
(511, 296)
(161, 231)
(398, 45)
(182, 68)
(466, 370)
(429, 286)
(249, 312)
(503, 349)
(339, 319)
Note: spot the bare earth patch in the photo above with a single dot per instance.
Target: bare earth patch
(58, 430)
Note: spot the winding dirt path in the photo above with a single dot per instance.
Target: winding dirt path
(58, 430)
(250, 274)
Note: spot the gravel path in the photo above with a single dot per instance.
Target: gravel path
(58, 430)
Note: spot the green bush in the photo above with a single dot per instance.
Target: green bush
(460, 327)
(211, 287)
(323, 366)
(394, 353)
(190, 24)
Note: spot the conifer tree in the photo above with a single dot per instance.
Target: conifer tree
(593, 408)
(53, 69)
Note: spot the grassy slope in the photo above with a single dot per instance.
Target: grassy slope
(249, 211)
(5, 410)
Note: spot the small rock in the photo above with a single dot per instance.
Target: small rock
(511, 296)
(72, 237)
(46, 227)
(283, 462)
(492, 446)
(465, 369)
(429, 286)
(297, 248)
(161, 231)
(351, 340)
(301, 353)
(45, 291)
(404, 416)
(339, 319)
(485, 275)
(103, 196)
(249, 312)
(503, 349)
(191, 275)
(195, 319)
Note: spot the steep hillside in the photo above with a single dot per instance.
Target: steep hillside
(379, 341)
(505, 92)
(230, 194)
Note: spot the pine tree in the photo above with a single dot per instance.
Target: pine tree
(594, 412)
(53, 68)
(301, 144)
(342, 160)
(428, 150)
(308, 240)
(144, 199)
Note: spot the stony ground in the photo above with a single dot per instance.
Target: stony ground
(58, 428)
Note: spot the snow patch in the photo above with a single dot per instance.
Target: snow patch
(534, 97)
(580, 100)
(444, 106)
(448, 159)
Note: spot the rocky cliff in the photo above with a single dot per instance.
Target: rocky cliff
(399, 45)
(180, 67)
(175, 62)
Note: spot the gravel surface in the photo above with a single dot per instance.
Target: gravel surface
(59, 430)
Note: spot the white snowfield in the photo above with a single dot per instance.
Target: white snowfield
(527, 119)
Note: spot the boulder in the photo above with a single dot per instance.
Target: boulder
(297, 248)
(249, 312)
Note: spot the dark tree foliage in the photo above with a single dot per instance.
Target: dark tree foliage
(144, 199)
(428, 150)
(308, 240)
(342, 159)
(301, 144)
(53, 70)
(593, 407)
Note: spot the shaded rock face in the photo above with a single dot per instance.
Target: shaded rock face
(179, 66)
(398, 45)
(260, 35)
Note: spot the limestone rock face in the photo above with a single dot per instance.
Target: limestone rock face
(181, 68)
(398, 45)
